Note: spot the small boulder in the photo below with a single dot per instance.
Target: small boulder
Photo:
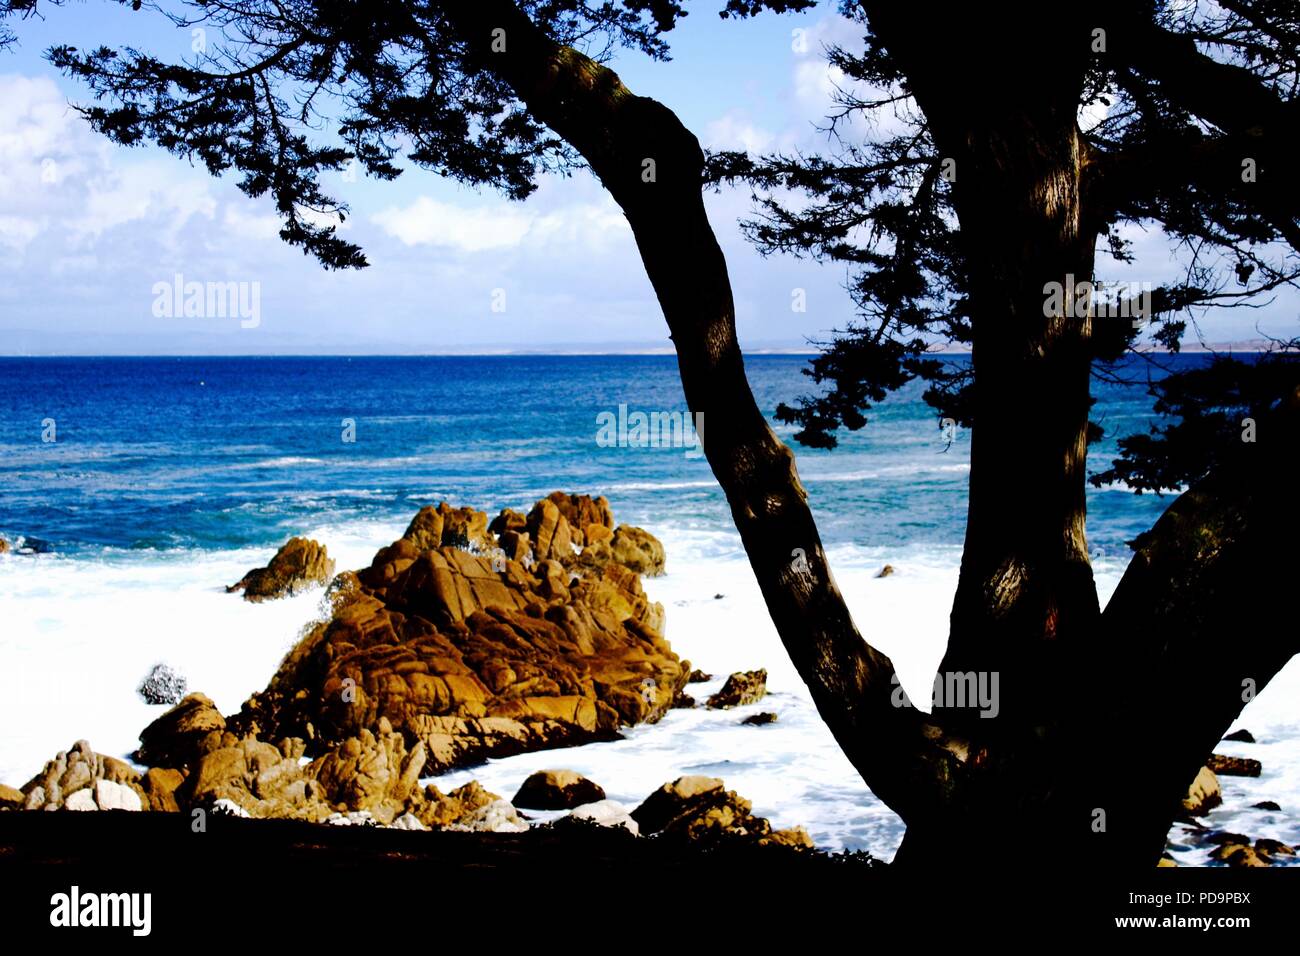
(162, 685)
(499, 816)
(886, 571)
(759, 719)
(4, 546)
(557, 790)
(1204, 794)
(299, 564)
(1266, 805)
(702, 810)
(1234, 766)
(116, 796)
(177, 737)
(743, 687)
(1242, 736)
(638, 550)
(698, 677)
(1239, 855)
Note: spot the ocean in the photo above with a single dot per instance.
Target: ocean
(145, 485)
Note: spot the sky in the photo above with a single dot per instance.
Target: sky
(95, 238)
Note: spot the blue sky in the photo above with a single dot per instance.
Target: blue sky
(87, 229)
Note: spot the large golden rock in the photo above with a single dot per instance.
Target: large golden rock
(299, 564)
(473, 654)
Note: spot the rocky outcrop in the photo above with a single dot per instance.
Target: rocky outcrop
(476, 655)
(743, 687)
(1234, 766)
(1204, 794)
(80, 779)
(11, 798)
(299, 564)
(557, 790)
(702, 810)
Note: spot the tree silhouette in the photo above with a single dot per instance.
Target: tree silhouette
(955, 230)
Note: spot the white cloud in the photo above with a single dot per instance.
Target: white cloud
(735, 131)
(495, 224)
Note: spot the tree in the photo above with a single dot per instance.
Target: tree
(493, 92)
(977, 223)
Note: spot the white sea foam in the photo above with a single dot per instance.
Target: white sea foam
(80, 634)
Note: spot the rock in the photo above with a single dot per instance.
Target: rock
(698, 677)
(1204, 794)
(701, 810)
(4, 546)
(80, 769)
(162, 685)
(496, 817)
(10, 798)
(474, 660)
(1166, 861)
(1238, 855)
(300, 564)
(743, 687)
(448, 527)
(358, 818)
(557, 790)
(1269, 848)
(116, 796)
(606, 813)
(438, 810)
(178, 737)
(550, 533)
(81, 800)
(508, 520)
(1234, 766)
(886, 571)
(160, 785)
(638, 550)
(1242, 736)
(757, 720)
(407, 821)
(1266, 805)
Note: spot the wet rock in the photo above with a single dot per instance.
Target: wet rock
(178, 737)
(759, 719)
(557, 790)
(299, 564)
(743, 687)
(698, 677)
(1204, 794)
(4, 546)
(1234, 766)
(1242, 736)
(702, 810)
(886, 571)
(1239, 855)
(1267, 848)
(437, 810)
(1266, 805)
(162, 685)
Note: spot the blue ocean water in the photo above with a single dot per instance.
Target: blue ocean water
(217, 453)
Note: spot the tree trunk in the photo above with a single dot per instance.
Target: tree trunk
(653, 167)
